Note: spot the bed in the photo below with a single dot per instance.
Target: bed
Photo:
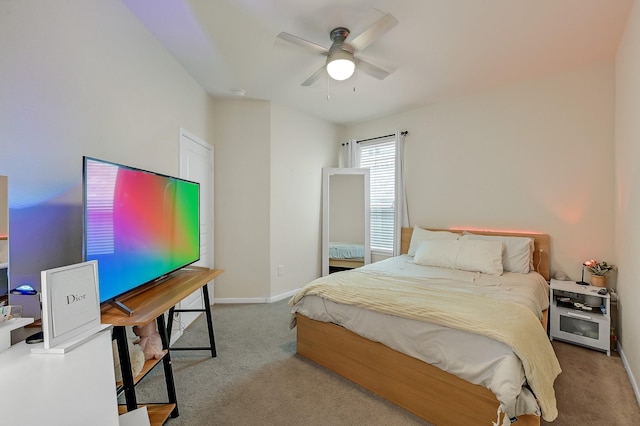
(343, 256)
(421, 384)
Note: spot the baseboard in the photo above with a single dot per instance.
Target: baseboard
(632, 379)
(282, 296)
(241, 300)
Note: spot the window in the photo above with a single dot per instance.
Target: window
(379, 155)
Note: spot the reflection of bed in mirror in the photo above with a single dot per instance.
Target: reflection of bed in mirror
(344, 256)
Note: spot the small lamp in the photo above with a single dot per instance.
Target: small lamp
(24, 290)
(27, 290)
(585, 263)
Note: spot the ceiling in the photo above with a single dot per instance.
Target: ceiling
(440, 49)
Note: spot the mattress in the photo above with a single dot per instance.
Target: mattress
(476, 358)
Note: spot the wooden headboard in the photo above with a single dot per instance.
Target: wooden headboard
(541, 244)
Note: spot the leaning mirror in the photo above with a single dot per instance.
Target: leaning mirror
(4, 241)
(345, 236)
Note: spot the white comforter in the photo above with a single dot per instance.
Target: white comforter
(475, 358)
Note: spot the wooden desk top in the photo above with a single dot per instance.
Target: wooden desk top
(158, 298)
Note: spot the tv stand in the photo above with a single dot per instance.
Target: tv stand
(148, 305)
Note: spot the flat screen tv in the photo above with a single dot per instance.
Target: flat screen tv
(139, 225)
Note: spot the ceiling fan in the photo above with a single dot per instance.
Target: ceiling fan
(342, 55)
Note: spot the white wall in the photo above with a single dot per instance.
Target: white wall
(627, 190)
(301, 146)
(268, 176)
(78, 78)
(4, 207)
(536, 156)
(242, 191)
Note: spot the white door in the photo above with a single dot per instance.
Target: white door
(196, 164)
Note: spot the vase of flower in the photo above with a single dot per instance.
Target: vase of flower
(598, 280)
(598, 272)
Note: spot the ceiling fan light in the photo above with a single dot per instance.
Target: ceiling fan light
(340, 65)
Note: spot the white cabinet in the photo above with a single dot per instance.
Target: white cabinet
(580, 315)
(74, 389)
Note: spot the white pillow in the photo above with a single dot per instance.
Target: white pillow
(518, 251)
(467, 255)
(419, 235)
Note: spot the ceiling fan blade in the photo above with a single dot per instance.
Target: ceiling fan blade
(303, 43)
(369, 35)
(314, 77)
(371, 69)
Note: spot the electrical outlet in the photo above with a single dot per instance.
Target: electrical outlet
(280, 269)
(176, 315)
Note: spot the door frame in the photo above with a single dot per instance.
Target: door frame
(183, 319)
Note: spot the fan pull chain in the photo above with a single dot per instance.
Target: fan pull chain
(328, 93)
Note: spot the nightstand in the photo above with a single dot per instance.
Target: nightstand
(580, 315)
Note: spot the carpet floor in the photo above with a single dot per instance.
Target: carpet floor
(257, 379)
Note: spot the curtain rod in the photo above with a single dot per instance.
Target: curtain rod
(403, 133)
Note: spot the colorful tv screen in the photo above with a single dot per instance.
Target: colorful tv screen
(138, 225)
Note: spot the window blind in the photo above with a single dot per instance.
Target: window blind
(380, 157)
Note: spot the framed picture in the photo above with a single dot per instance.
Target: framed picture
(70, 305)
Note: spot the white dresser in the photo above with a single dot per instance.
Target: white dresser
(74, 389)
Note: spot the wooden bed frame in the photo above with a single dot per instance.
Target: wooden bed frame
(346, 263)
(433, 394)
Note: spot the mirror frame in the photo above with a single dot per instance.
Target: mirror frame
(326, 174)
(4, 237)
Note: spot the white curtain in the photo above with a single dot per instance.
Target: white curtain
(347, 158)
(402, 213)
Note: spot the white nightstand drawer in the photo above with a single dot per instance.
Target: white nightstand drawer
(585, 328)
